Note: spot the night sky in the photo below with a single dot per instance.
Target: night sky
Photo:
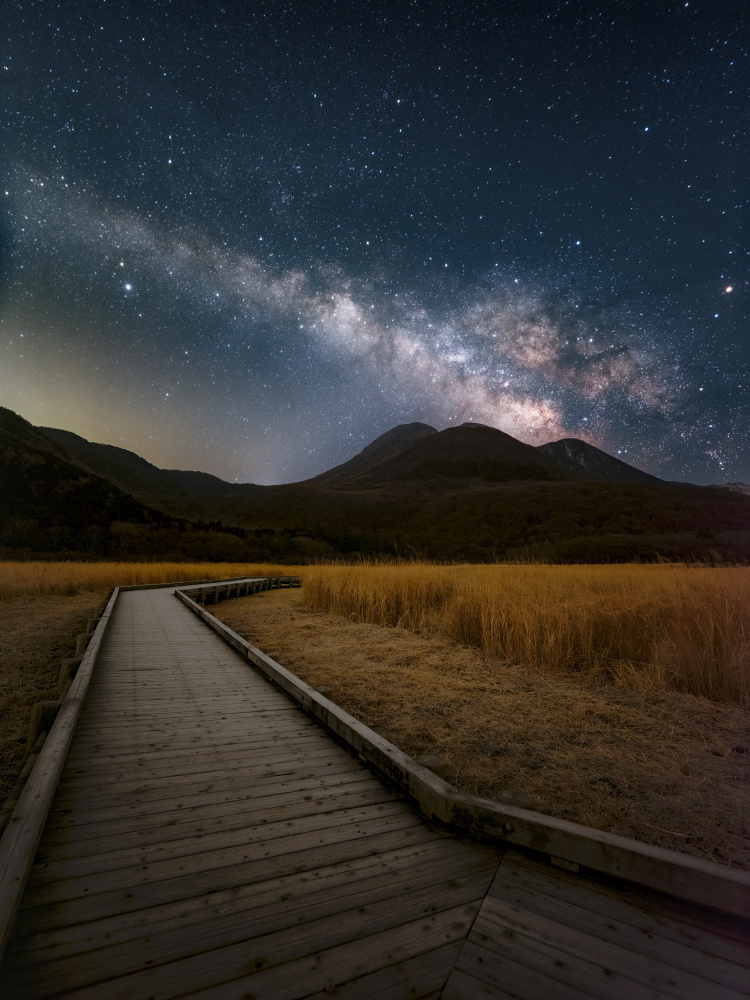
(249, 238)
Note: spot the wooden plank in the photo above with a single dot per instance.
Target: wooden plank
(65, 882)
(630, 920)
(118, 728)
(369, 911)
(196, 707)
(46, 870)
(222, 778)
(462, 986)
(198, 820)
(250, 760)
(67, 925)
(107, 764)
(419, 978)
(271, 803)
(578, 959)
(114, 901)
(319, 954)
(337, 965)
(101, 758)
(118, 741)
(651, 914)
(253, 698)
(383, 873)
(203, 864)
(64, 818)
(524, 982)
(247, 770)
(194, 735)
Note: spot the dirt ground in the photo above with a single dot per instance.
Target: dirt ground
(668, 769)
(35, 635)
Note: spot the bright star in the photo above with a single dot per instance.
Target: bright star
(128, 288)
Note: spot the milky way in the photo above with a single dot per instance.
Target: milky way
(250, 243)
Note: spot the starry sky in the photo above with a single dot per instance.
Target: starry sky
(249, 238)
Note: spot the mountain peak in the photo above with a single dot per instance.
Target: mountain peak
(467, 451)
(379, 450)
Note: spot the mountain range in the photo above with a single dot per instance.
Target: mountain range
(467, 492)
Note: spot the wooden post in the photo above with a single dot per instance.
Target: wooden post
(43, 714)
(68, 671)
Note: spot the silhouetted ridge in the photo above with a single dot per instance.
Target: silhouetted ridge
(466, 493)
(471, 451)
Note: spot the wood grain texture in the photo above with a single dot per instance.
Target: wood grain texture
(545, 933)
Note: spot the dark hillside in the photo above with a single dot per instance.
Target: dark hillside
(466, 493)
(47, 501)
(593, 463)
(191, 495)
(557, 521)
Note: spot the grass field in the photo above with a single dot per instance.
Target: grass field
(37, 633)
(35, 579)
(642, 627)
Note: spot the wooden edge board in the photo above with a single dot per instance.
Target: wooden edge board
(701, 882)
(21, 837)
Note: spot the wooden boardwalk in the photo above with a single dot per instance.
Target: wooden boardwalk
(208, 839)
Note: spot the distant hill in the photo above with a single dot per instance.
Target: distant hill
(593, 463)
(465, 493)
(192, 495)
(49, 501)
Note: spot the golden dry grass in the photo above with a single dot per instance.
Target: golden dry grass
(37, 634)
(33, 579)
(667, 768)
(642, 627)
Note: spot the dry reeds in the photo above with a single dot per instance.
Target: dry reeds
(639, 626)
(643, 627)
(36, 579)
